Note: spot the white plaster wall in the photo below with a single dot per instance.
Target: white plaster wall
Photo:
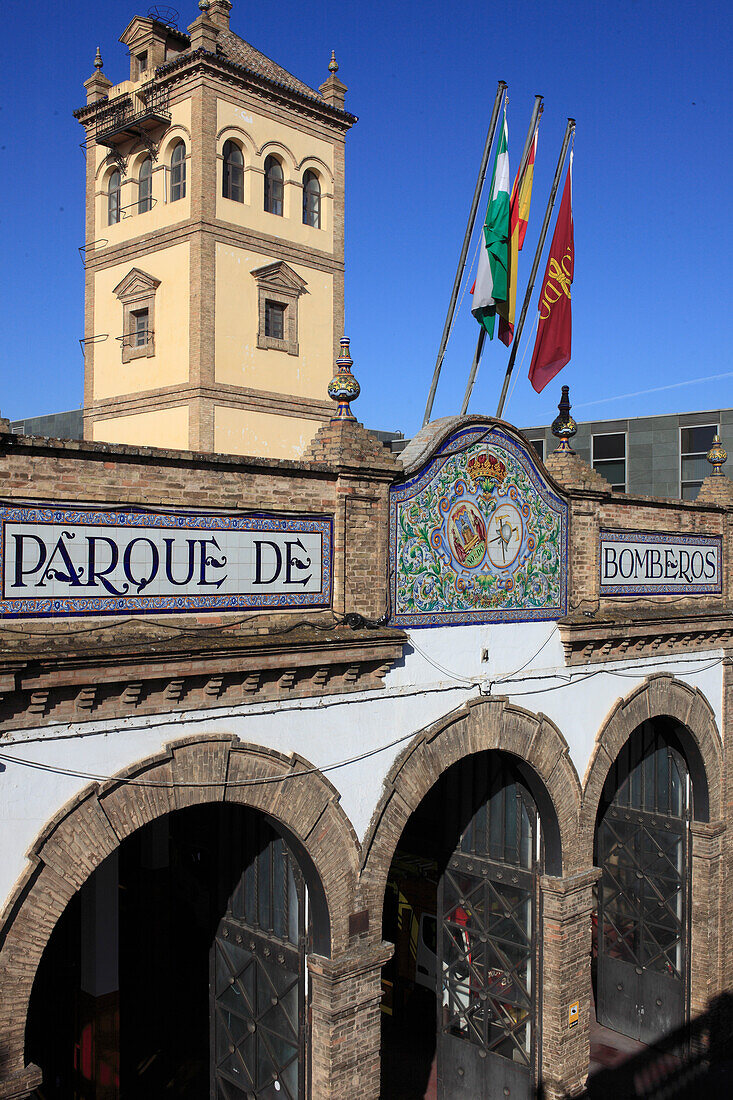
(526, 664)
(441, 669)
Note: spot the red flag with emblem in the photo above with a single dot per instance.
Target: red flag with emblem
(552, 346)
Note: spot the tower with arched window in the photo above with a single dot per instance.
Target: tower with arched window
(214, 243)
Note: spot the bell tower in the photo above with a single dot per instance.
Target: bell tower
(214, 244)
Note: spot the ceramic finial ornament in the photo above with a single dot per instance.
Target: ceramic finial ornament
(717, 456)
(343, 387)
(563, 426)
(204, 5)
(333, 65)
(98, 61)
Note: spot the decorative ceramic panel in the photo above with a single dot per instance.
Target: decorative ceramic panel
(59, 561)
(478, 536)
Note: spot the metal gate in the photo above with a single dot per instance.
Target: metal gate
(257, 976)
(643, 904)
(487, 943)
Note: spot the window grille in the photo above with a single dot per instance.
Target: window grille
(275, 320)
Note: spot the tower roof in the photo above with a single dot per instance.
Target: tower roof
(236, 49)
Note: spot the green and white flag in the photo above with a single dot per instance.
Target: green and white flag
(492, 277)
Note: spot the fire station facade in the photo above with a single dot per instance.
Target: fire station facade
(239, 694)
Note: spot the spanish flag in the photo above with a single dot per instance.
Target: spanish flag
(519, 216)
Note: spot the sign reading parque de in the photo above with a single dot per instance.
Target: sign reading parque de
(634, 562)
(60, 561)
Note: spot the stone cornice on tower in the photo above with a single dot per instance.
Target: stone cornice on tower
(292, 93)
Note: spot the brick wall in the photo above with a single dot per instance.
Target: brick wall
(350, 482)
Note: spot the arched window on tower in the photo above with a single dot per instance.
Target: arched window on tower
(273, 186)
(178, 172)
(233, 175)
(311, 199)
(145, 186)
(114, 191)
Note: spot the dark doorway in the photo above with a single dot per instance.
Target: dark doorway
(474, 850)
(209, 956)
(642, 847)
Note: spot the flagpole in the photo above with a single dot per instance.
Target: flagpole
(500, 90)
(569, 131)
(533, 123)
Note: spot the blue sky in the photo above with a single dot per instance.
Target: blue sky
(649, 83)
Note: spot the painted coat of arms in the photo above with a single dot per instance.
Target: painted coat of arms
(478, 535)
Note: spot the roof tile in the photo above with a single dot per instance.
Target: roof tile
(236, 49)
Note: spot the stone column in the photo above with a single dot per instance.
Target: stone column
(706, 970)
(346, 1023)
(567, 904)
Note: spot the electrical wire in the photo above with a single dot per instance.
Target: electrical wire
(478, 681)
(254, 710)
(581, 677)
(475, 681)
(521, 668)
(339, 620)
(568, 681)
(91, 777)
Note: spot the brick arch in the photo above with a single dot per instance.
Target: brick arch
(320, 166)
(94, 823)
(172, 137)
(475, 727)
(243, 139)
(659, 696)
(284, 152)
(107, 167)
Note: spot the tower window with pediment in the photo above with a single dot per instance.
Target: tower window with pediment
(136, 292)
(278, 290)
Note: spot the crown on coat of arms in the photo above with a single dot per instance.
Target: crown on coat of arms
(486, 467)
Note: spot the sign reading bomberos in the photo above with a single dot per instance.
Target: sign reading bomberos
(72, 562)
(632, 562)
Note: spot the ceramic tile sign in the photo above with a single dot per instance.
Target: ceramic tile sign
(60, 562)
(478, 535)
(648, 563)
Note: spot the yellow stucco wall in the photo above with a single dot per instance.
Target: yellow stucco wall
(169, 365)
(161, 428)
(239, 362)
(163, 213)
(298, 150)
(265, 435)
